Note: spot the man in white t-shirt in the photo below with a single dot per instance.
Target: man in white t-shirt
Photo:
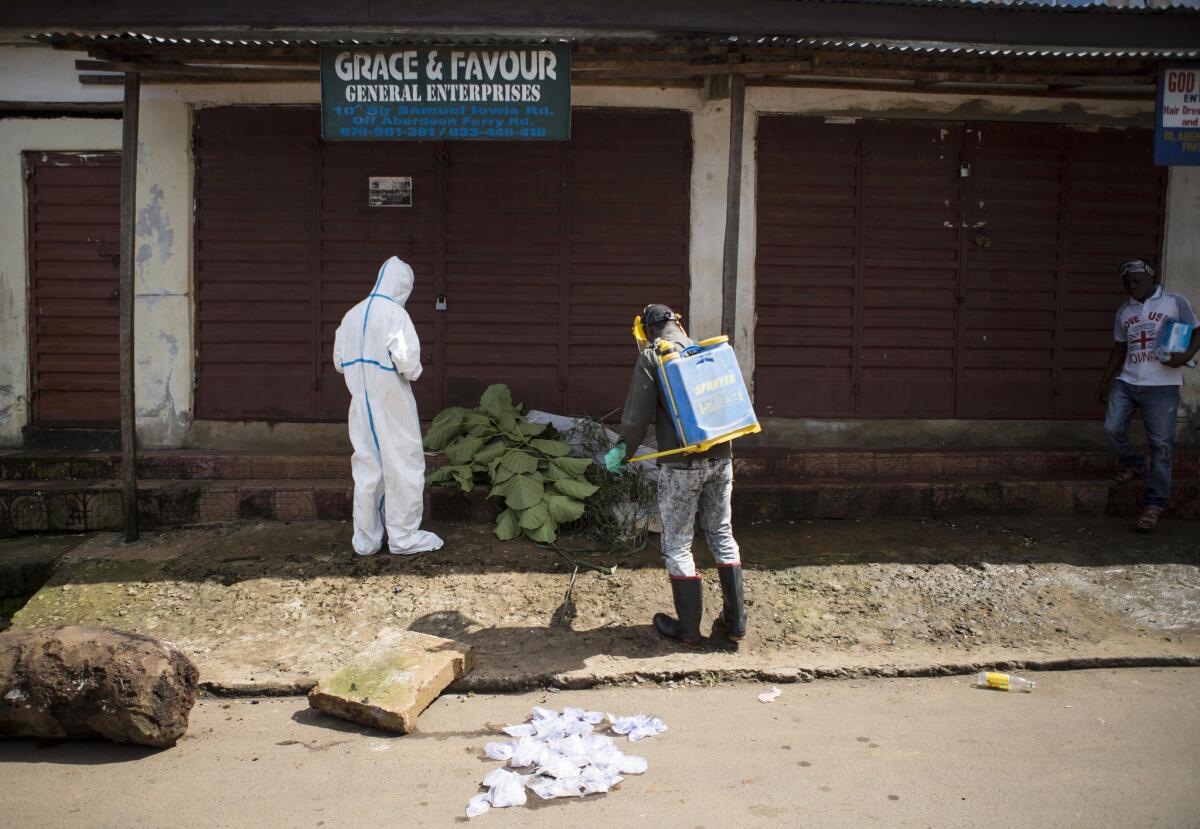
(1136, 379)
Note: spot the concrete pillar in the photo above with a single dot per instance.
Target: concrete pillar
(18, 135)
(747, 246)
(1181, 271)
(710, 160)
(710, 171)
(164, 354)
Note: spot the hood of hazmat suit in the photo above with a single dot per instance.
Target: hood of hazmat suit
(376, 349)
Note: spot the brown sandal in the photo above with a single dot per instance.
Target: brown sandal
(1126, 474)
(1148, 520)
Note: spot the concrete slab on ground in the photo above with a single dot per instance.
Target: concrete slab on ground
(268, 607)
(393, 681)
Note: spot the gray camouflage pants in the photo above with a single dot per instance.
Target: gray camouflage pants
(702, 487)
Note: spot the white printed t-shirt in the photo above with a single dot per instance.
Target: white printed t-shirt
(1139, 323)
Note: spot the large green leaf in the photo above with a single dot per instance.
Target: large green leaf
(553, 473)
(507, 527)
(553, 448)
(465, 476)
(445, 427)
(535, 516)
(449, 413)
(544, 534)
(519, 461)
(479, 425)
(523, 491)
(497, 401)
(563, 509)
(571, 467)
(491, 452)
(463, 452)
(575, 488)
(499, 473)
(501, 488)
(439, 475)
(531, 430)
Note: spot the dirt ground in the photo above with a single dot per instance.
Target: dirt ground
(1101, 748)
(268, 607)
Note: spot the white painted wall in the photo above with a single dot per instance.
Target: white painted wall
(36, 74)
(18, 135)
(1181, 262)
(162, 314)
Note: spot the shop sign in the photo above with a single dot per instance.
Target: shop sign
(446, 93)
(1177, 122)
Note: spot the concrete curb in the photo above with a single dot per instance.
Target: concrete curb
(777, 674)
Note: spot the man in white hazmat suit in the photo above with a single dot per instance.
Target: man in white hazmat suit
(377, 350)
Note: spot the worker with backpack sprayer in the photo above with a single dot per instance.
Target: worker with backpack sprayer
(695, 467)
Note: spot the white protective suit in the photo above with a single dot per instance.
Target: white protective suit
(377, 350)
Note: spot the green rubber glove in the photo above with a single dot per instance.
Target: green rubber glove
(613, 458)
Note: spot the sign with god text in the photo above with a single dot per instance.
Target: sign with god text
(1177, 121)
(446, 93)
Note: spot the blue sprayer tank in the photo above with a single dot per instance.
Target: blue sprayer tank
(705, 392)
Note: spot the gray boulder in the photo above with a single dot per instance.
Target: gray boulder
(94, 682)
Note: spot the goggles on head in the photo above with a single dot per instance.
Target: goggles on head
(1135, 266)
(658, 314)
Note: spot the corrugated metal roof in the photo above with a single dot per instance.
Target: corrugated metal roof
(1139, 6)
(1089, 6)
(982, 49)
(927, 47)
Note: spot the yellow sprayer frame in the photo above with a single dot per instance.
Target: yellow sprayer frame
(639, 334)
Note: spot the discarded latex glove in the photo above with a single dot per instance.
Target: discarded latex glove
(629, 764)
(529, 752)
(613, 457)
(591, 717)
(548, 788)
(478, 805)
(770, 696)
(506, 788)
(637, 727)
(594, 781)
(500, 751)
(558, 767)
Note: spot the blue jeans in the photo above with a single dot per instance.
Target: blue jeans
(1160, 406)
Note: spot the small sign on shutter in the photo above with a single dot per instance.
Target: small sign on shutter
(389, 191)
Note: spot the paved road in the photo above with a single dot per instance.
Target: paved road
(1116, 748)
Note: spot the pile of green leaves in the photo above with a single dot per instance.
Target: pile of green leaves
(542, 488)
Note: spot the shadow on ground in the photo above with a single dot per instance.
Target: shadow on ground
(71, 752)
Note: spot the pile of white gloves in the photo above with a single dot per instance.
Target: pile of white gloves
(561, 756)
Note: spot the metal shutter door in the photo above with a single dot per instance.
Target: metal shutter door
(356, 239)
(256, 263)
(503, 231)
(74, 243)
(909, 255)
(1012, 212)
(805, 270)
(856, 268)
(629, 190)
(1114, 205)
